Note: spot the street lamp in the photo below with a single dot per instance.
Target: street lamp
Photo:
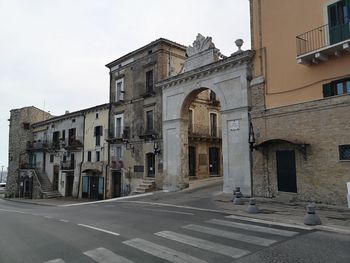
(251, 137)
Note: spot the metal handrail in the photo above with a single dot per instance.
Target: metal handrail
(321, 37)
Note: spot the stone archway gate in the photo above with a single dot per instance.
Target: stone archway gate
(229, 78)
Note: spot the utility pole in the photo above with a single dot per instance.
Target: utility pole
(2, 169)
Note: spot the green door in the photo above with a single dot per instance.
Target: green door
(338, 21)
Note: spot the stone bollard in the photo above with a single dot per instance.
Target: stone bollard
(235, 191)
(238, 200)
(252, 208)
(311, 218)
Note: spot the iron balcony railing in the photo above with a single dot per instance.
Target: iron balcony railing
(204, 131)
(322, 37)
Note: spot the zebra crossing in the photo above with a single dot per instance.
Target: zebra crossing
(212, 236)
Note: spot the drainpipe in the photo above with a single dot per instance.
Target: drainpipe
(82, 159)
(108, 126)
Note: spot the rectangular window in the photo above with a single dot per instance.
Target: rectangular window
(71, 134)
(89, 156)
(149, 120)
(149, 81)
(213, 124)
(97, 156)
(344, 152)
(63, 134)
(98, 134)
(56, 139)
(190, 120)
(118, 153)
(51, 158)
(119, 90)
(118, 126)
(337, 87)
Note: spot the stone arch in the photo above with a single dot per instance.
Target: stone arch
(229, 79)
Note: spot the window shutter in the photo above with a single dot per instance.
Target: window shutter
(327, 90)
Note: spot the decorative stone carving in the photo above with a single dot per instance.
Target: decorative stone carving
(200, 44)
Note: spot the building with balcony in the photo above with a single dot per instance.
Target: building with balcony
(204, 136)
(300, 92)
(94, 166)
(135, 118)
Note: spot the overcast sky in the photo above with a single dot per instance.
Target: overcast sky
(53, 52)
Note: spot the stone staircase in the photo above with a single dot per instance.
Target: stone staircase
(147, 185)
(46, 186)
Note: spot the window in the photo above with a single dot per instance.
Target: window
(97, 156)
(63, 134)
(149, 121)
(212, 96)
(71, 134)
(337, 87)
(118, 126)
(26, 125)
(89, 156)
(149, 81)
(213, 124)
(56, 139)
(73, 120)
(118, 153)
(338, 21)
(119, 90)
(98, 134)
(344, 152)
(51, 158)
(96, 115)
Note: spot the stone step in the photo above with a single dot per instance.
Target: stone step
(52, 194)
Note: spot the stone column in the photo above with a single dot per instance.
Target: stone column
(236, 152)
(175, 144)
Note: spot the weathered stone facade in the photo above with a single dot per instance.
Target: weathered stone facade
(320, 125)
(19, 134)
(135, 118)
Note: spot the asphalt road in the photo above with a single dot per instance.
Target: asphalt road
(131, 231)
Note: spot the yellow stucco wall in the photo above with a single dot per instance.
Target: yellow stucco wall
(275, 25)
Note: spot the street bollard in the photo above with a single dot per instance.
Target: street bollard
(238, 200)
(311, 218)
(235, 191)
(252, 208)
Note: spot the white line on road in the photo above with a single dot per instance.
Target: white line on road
(108, 200)
(49, 217)
(231, 235)
(162, 252)
(64, 220)
(255, 228)
(168, 211)
(103, 255)
(13, 211)
(204, 244)
(57, 260)
(99, 229)
(255, 220)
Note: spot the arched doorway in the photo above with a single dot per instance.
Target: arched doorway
(228, 78)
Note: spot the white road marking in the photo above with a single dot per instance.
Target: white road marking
(49, 217)
(169, 211)
(109, 200)
(64, 220)
(103, 255)
(255, 228)
(162, 252)
(99, 229)
(57, 260)
(256, 220)
(203, 244)
(231, 235)
(13, 211)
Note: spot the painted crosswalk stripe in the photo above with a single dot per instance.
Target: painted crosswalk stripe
(255, 228)
(103, 255)
(162, 252)
(231, 235)
(203, 244)
(57, 260)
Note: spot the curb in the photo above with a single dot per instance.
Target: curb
(26, 202)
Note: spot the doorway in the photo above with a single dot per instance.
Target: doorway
(150, 158)
(286, 172)
(214, 160)
(93, 187)
(69, 184)
(192, 161)
(116, 177)
(56, 170)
